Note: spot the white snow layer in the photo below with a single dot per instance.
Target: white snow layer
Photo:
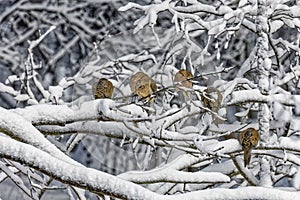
(83, 177)
(174, 176)
(98, 181)
(239, 193)
(22, 130)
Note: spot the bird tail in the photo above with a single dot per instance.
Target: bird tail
(247, 156)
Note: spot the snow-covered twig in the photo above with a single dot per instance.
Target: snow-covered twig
(18, 181)
(246, 173)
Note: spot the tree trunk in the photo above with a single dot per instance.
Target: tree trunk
(264, 64)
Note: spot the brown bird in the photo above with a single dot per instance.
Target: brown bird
(182, 81)
(103, 89)
(248, 139)
(212, 98)
(142, 85)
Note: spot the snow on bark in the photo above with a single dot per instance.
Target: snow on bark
(296, 179)
(58, 114)
(171, 173)
(263, 65)
(238, 193)
(100, 182)
(89, 110)
(290, 143)
(7, 89)
(263, 68)
(151, 12)
(254, 95)
(20, 129)
(211, 33)
(266, 180)
(79, 176)
(167, 175)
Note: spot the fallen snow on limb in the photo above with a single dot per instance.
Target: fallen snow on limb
(281, 154)
(118, 130)
(174, 176)
(289, 143)
(108, 128)
(20, 129)
(239, 193)
(170, 173)
(245, 172)
(109, 108)
(254, 95)
(226, 167)
(100, 182)
(18, 181)
(216, 147)
(179, 115)
(62, 114)
(151, 12)
(8, 89)
(58, 114)
(86, 178)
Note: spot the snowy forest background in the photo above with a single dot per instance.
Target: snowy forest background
(57, 142)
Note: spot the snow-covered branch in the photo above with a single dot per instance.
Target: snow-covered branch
(58, 114)
(244, 192)
(173, 176)
(100, 182)
(170, 173)
(255, 95)
(78, 176)
(185, 139)
(22, 130)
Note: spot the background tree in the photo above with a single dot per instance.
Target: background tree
(244, 60)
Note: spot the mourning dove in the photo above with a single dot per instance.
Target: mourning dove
(103, 89)
(142, 85)
(212, 99)
(183, 82)
(248, 139)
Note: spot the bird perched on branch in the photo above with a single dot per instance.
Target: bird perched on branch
(248, 139)
(103, 89)
(183, 82)
(142, 85)
(212, 99)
